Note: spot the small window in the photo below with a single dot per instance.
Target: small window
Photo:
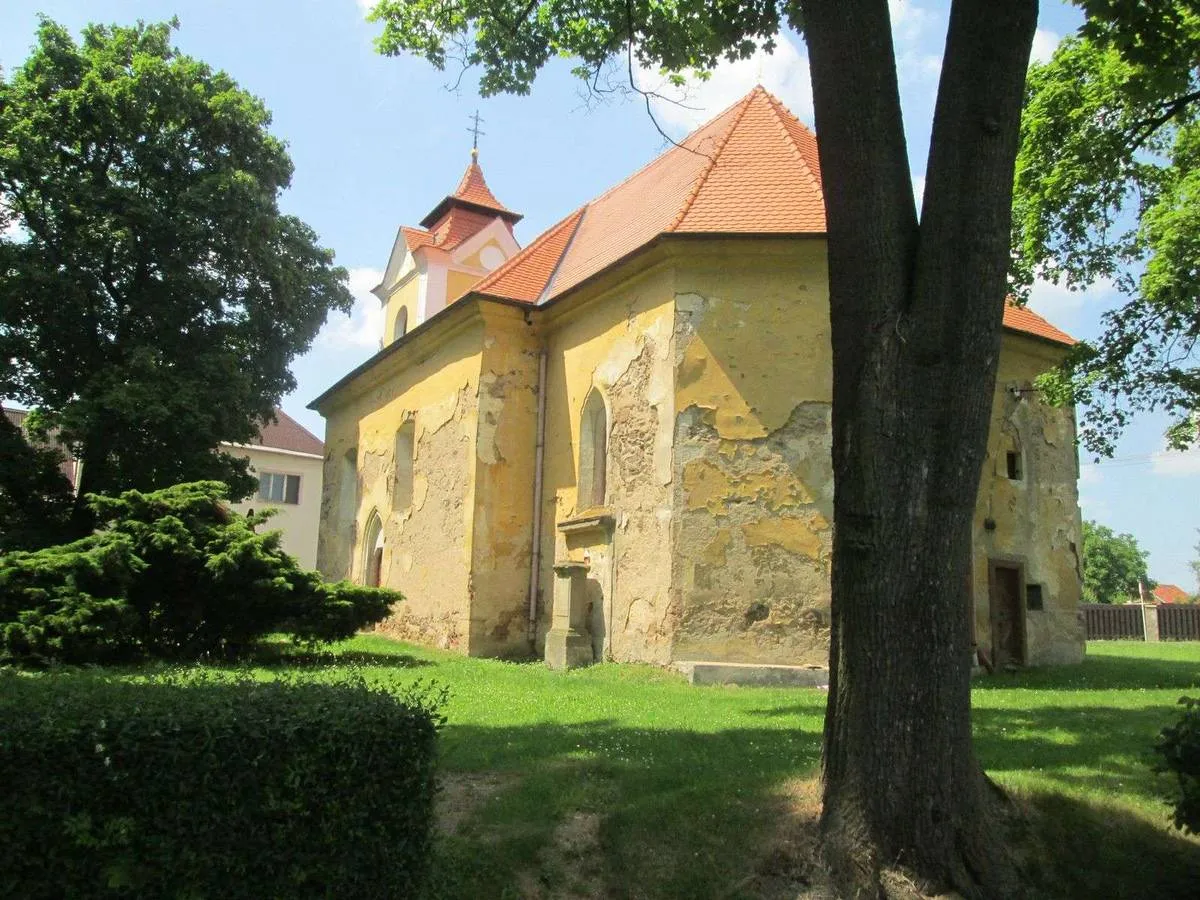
(1033, 596)
(400, 325)
(373, 561)
(1013, 463)
(348, 489)
(276, 487)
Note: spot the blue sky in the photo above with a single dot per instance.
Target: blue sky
(377, 142)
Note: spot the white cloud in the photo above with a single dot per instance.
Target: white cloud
(784, 73)
(366, 5)
(1176, 462)
(11, 231)
(1061, 305)
(363, 328)
(1044, 43)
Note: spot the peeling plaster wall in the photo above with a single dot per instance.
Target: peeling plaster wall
(753, 483)
(504, 474)
(619, 341)
(1037, 518)
(427, 546)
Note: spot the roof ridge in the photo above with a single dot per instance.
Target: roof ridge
(712, 164)
(518, 257)
(545, 292)
(782, 113)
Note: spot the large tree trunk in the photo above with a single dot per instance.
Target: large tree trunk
(916, 315)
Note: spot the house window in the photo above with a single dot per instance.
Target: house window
(1013, 464)
(277, 487)
(400, 324)
(1033, 597)
(593, 452)
(402, 484)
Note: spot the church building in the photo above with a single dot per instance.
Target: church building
(614, 443)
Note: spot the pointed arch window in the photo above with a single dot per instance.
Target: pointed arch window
(373, 547)
(400, 324)
(593, 451)
(402, 483)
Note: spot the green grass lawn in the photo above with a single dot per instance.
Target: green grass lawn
(625, 781)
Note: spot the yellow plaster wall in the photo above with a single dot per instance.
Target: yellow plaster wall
(504, 474)
(428, 546)
(619, 340)
(458, 283)
(406, 297)
(753, 487)
(474, 261)
(1036, 519)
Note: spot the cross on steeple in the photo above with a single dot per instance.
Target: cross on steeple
(475, 132)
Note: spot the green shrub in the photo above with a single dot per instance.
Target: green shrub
(173, 573)
(215, 788)
(1179, 745)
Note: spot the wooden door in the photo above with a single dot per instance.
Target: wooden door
(1007, 615)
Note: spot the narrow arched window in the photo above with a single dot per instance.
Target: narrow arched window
(402, 483)
(400, 324)
(348, 489)
(593, 451)
(373, 552)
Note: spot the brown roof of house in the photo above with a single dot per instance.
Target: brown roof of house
(285, 433)
(1170, 593)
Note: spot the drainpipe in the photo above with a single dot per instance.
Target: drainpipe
(535, 562)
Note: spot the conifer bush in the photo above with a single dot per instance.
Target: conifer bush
(171, 573)
(1179, 747)
(213, 786)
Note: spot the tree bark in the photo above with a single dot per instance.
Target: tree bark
(916, 312)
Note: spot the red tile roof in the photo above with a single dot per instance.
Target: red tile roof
(285, 433)
(1170, 593)
(474, 194)
(754, 169)
(1022, 318)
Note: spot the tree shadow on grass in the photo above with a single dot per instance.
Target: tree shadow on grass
(1100, 673)
(286, 657)
(673, 813)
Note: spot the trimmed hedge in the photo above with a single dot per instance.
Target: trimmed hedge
(213, 787)
(1179, 746)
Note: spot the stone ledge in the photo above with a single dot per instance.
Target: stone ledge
(763, 675)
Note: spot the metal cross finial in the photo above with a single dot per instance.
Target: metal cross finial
(476, 132)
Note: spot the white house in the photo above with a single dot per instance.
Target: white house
(287, 459)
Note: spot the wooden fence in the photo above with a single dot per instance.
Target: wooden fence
(1127, 623)
(1179, 623)
(1113, 623)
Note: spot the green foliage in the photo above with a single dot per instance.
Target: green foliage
(1108, 187)
(171, 573)
(154, 294)
(511, 40)
(35, 497)
(1113, 564)
(1179, 746)
(214, 787)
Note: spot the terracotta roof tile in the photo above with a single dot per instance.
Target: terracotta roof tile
(473, 188)
(285, 433)
(1022, 318)
(1170, 593)
(526, 276)
(754, 169)
(415, 238)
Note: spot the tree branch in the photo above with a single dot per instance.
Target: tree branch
(1143, 130)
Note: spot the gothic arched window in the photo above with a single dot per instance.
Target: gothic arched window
(402, 483)
(593, 451)
(400, 324)
(373, 552)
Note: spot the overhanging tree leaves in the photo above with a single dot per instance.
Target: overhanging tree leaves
(1108, 186)
(1113, 565)
(916, 313)
(156, 295)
